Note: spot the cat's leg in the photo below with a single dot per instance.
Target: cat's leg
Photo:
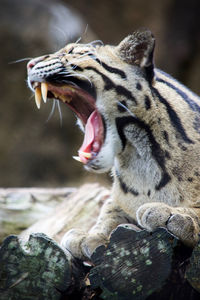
(82, 244)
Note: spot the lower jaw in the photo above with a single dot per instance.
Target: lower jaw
(92, 167)
(96, 166)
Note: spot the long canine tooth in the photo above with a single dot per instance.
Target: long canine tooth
(85, 154)
(77, 158)
(38, 97)
(44, 90)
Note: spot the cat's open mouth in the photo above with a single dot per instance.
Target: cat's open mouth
(83, 104)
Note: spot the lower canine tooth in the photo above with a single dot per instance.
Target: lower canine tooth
(38, 97)
(86, 154)
(77, 158)
(44, 90)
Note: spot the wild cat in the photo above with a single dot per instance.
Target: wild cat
(138, 122)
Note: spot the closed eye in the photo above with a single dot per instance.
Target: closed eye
(71, 50)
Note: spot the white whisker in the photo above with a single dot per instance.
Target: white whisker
(59, 111)
(70, 82)
(74, 67)
(55, 104)
(32, 96)
(63, 33)
(93, 56)
(83, 76)
(78, 76)
(86, 54)
(78, 40)
(86, 29)
(52, 111)
(65, 73)
(126, 108)
(96, 42)
(19, 60)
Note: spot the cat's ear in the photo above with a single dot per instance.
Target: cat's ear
(138, 48)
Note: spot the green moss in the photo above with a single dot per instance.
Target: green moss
(139, 288)
(145, 251)
(133, 280)
(161, 246)
(148, 262)
(128, 263)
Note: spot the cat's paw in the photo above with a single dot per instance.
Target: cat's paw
(153, 215)
(177, 221)
(81, 244)
(185, 227)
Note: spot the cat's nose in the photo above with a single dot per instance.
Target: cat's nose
(30, 64)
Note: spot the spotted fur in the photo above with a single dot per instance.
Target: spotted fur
(152, 137)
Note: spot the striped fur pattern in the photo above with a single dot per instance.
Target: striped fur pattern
(152, 138)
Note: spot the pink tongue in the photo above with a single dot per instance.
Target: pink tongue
(91, 129)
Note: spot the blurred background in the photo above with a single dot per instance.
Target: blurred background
(34, 152)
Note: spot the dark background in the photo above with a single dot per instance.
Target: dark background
(34, 152)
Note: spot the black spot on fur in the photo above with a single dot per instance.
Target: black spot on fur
(76, 68)
(182, 147)
(147, 102)
(181, 199)
(190, 179)
(71, 50)
(138, 86)
(166, 136)
(177, 172)
(49, 65)
(167, 155)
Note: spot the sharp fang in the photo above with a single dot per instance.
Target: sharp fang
(44, 90)
(85, 154)
(38, 97)
(77, 158)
